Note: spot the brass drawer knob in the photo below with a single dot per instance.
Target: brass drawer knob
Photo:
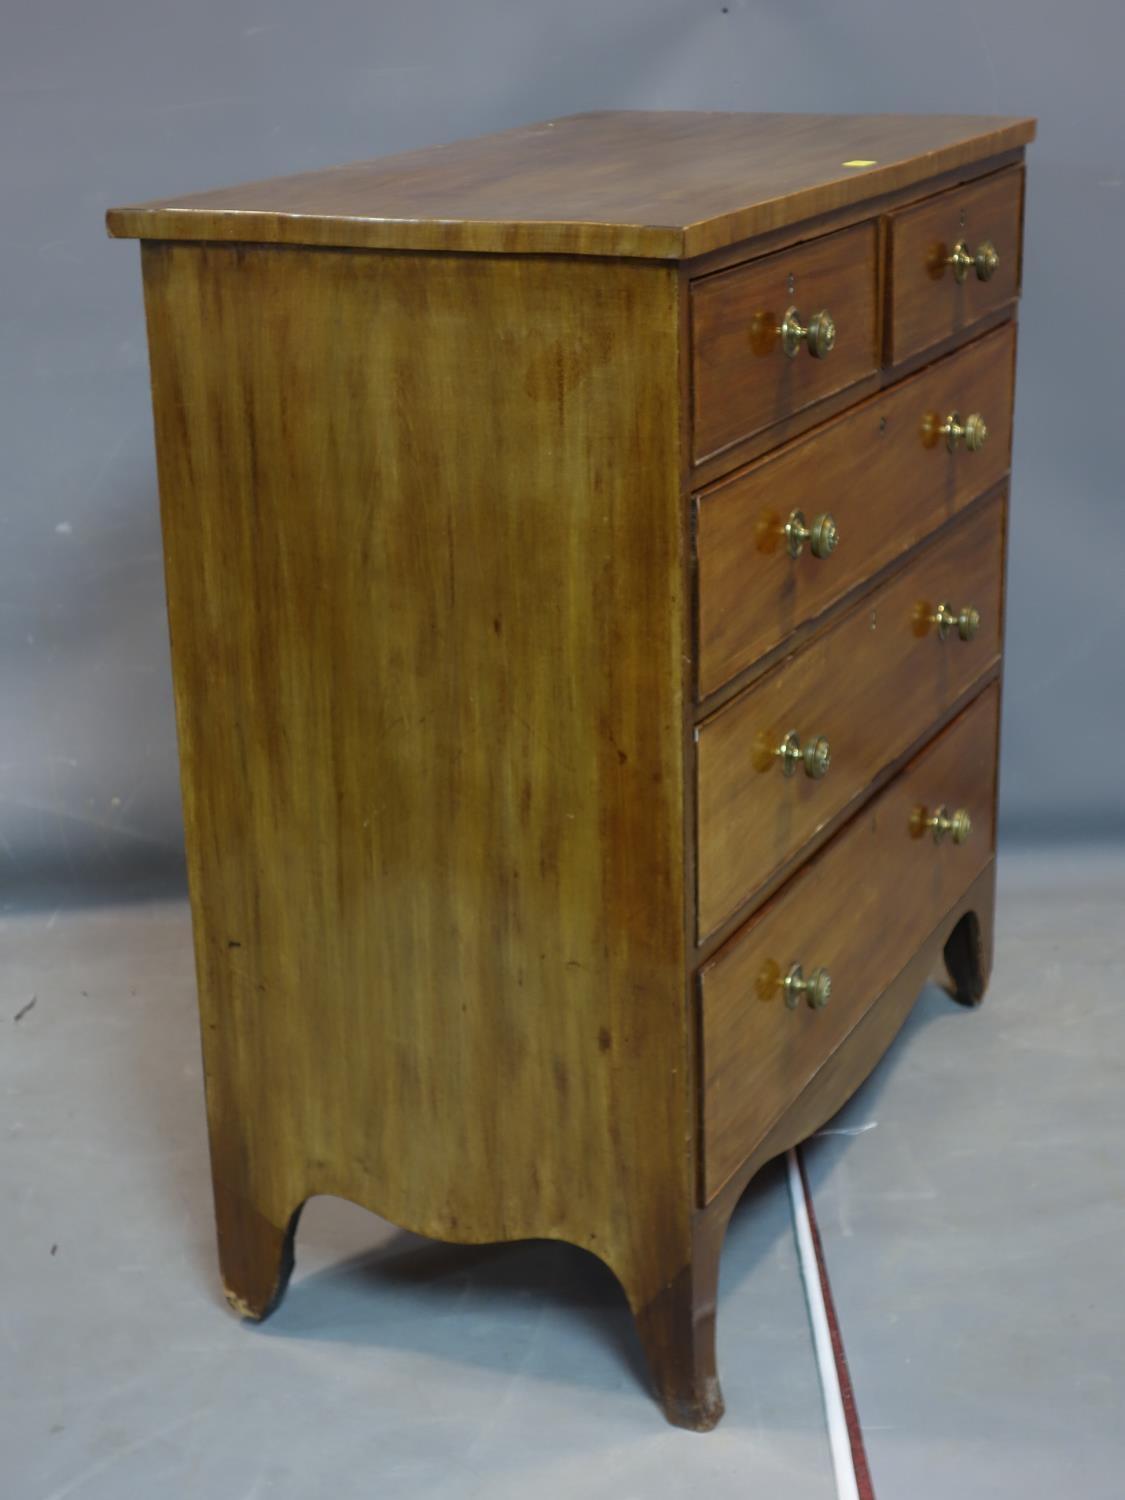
(819, 335)
(817, 988)
(986, 262)
(821, 536)
(958, 825)
(816, 756)
(966, 622)
(973, 430)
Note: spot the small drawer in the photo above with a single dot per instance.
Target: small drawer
(859, 911)
(876, 472)
(952, 260)
(743, 378)
(870, 686)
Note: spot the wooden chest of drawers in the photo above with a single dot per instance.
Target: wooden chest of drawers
(585, 557)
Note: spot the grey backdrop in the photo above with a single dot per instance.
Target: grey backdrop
(106, 101)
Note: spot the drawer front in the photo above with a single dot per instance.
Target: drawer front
(876, 470)
(742, 378)
(860, 910)
(871, 685)
(926, 300)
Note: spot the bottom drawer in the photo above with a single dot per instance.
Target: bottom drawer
(859, 911)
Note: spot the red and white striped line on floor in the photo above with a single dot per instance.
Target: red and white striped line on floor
(845, 1438)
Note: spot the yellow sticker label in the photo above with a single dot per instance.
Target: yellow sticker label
(860, 163)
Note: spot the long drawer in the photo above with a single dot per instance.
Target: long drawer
(881, 476)
(745, 374)
(858, 911)
(870, 686)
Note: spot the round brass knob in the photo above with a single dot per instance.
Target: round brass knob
(966, 621)
(817, 988)
(818, 335)
(986, 262)
(957, 824)
(816, 756)
(821, 536)
(973, 430)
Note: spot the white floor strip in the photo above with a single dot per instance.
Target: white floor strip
(847, 1486)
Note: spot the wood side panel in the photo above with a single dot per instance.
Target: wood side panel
(871, 684)
(925, 302)
(742, 380)
(861, 909)
(664, 184)
(425, 580)
(876, 470)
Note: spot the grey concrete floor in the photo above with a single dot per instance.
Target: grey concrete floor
(971, 1198)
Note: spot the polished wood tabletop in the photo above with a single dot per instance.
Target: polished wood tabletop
(658, 185)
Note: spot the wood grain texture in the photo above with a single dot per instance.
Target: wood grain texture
(666, 185)
(742, 380)
(873, 684)
(925, 302)
(425, 590)
(966, 930)
(749, 450)
(876, 471)
(878, 206)
(861, 908)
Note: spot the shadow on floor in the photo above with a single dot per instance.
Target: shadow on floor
(460, 1301)
(934, 1006)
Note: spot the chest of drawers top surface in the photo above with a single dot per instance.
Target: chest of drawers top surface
(667, 185)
